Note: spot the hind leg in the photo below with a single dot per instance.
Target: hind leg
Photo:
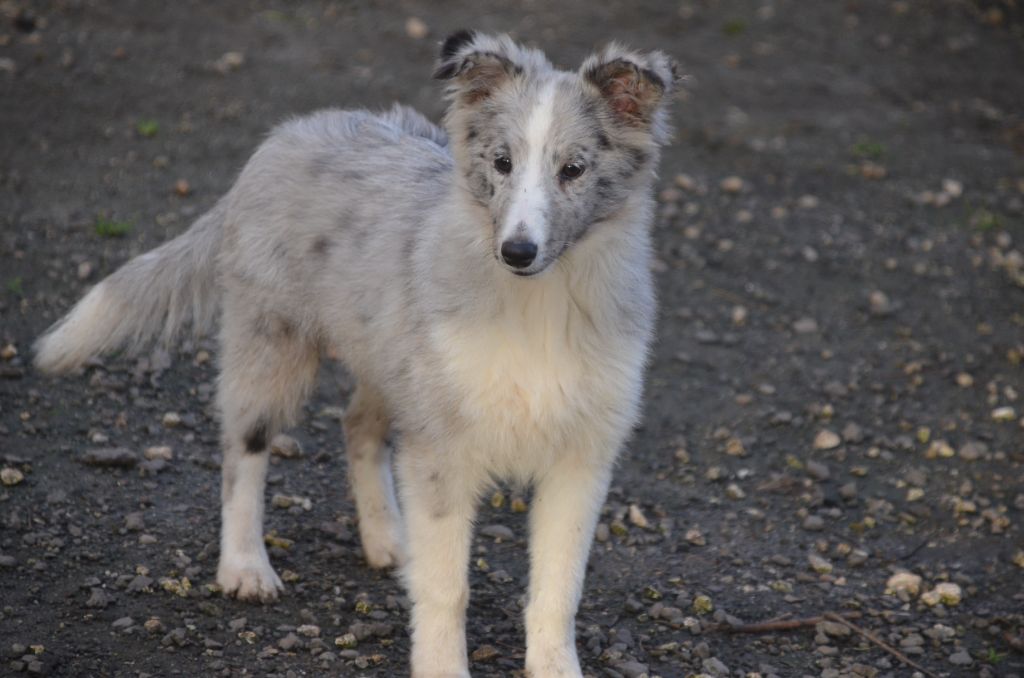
(267, 373)
(369, 472)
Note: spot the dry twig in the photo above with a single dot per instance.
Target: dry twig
(780, 624)
(831, 616)
(784, 624)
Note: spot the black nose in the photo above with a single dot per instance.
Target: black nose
(518, 254)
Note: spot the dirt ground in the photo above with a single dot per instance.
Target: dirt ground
(834, 397)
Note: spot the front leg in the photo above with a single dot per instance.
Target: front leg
(439, 501)
(566, 504)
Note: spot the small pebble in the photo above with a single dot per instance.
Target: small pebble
(734, 491)
(817, 470)
(805, 326)
(500, 532)
(161, 452)
(285, 446)
(807, 202)
(637, 517)
(309, 630)
(961, 658)
(826, 440)
(11, 476)
(905, 585)
(288, 642)
(731, 184)
(819, 564)
(973, 450)
(947, 593)
(1004, 414)
(814, 523)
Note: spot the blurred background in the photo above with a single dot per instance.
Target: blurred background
(833, 419)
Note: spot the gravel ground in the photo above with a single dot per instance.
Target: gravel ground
(834, 421)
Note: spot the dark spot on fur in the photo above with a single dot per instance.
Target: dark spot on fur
(637, 157)
(653, 77)
(256, 438)
(320, 164)
(603, 141)
(408, 248)
(430, 172)
(455, 41)
(471, 133)
(358, 239)
(321, 246)
(274, 327)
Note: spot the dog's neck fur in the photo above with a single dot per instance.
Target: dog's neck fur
(595, 278)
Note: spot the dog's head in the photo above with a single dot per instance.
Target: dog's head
(550, 153)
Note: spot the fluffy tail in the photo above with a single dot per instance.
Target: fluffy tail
(155, 294)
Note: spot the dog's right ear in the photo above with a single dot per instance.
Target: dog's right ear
(475, 65)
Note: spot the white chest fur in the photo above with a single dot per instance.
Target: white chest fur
(538, 378)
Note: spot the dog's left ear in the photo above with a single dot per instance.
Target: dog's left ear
(634, 85)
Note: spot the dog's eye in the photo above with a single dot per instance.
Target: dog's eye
(571, 171)
(503, 164)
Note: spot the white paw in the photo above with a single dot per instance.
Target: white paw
(554, 663)
(439, 673)
(249, 579)
(382, 543)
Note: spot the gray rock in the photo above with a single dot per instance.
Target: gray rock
(805, 326)
(817, 470)
(285, 446)
(715, 667)
(632, 669)
(499, 532)
(289, 642)
(961, 658)
(99, 598)
(834, 629)
(852, 433)
(139, 584)
(814, 523)
(973, 450)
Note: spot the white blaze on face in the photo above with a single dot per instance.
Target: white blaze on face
(525, 219)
